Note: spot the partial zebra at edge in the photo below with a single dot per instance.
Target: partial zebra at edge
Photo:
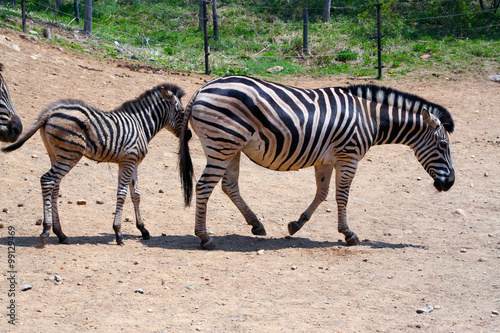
(10, 123)
(71, 129)
(286, 128)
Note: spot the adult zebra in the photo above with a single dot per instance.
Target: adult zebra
(286, 128)
(71, 129)
(10, 123)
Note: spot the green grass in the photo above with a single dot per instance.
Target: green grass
(253, 39)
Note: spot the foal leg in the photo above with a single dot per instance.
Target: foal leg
(50, 191)
(125, 172)
(323, 175)
(62, 160)
(231, 188)
(135, 194)
(56, 224)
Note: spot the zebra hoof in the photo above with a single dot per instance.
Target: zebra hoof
(259, 230)
(44, 240)
(208, 244)
(353, 240)
(64, 240)
(293, 227)
(145, 235)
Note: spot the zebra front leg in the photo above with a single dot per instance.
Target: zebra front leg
(231, 189)
(210, 177)
(344, 175)
(135, 194)
(125, 172)
(323, 175)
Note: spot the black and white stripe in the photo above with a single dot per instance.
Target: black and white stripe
(286, 128)
(71, 129)
(10, 123)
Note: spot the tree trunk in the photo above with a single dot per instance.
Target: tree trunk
(200, 13)
(326, 11)
(216, 24)
(87, 24)
(23, 14)
(77, 11)
(58, 4)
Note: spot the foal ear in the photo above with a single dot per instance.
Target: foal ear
(430, 119)
(167, 95)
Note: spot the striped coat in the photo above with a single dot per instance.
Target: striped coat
(286, 128)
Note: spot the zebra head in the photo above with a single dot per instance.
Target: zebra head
(433, 151)
(172, 94)
(10, 123)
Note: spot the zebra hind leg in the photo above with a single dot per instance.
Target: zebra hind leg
(204, 188)
(56, 224)
(136, 200)
(50, 191)
(47, 183)
(231, 189)
(323, 175)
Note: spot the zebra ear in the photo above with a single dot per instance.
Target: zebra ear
(167, 95)
(430, 119)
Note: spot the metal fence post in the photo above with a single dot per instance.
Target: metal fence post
(305, 37)
(379, 42)
(205, 34)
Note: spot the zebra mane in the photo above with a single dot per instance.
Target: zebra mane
(393, 97)
(175, 89)
(1, 66)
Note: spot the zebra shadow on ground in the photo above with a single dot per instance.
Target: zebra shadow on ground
(241, 243)
(228, 243)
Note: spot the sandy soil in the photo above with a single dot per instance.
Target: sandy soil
(421, 249)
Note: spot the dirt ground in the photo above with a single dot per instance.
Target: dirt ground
(421, 249)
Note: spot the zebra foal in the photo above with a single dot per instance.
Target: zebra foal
(71, 129)
(285, 128)
(10, 123)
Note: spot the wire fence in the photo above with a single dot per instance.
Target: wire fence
(141, 44)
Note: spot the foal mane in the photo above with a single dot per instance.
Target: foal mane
(390, 97)
(175, 89)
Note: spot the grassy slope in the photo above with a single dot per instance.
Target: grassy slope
(252, 40)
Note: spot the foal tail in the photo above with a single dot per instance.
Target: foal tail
(185, 162)
(42, 119)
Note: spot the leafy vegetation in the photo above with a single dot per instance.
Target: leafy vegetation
(438, 35)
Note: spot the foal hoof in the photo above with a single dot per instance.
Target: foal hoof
(208, 244)
(145, 235)
(119, 240)
(293, 227)
(259, 230)
(353, 240)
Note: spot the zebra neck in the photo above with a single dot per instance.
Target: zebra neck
(397, 126)
(149, 117)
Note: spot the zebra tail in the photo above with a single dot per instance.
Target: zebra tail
(185, 162)
(41, 121)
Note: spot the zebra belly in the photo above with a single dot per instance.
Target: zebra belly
(269, 154)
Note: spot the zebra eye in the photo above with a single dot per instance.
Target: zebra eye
(443, 144)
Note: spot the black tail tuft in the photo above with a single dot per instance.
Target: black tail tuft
(185, 162)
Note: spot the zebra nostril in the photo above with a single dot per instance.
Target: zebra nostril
(17, 130)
